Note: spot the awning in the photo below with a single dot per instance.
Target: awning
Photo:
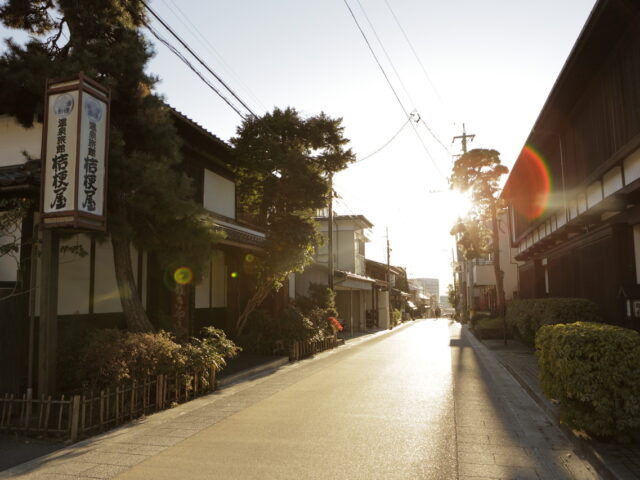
(411, 305)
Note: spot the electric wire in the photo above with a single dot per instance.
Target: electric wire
(178, 54)
(415, 54)
(385, 144)
(386, 54)
(197, 34)
(384, 73)
(194, 55)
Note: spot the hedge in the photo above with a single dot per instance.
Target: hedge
(525, 317)
(593, 370)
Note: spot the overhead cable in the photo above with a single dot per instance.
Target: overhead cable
(385, 144)
(415, 54)
(194, 55)
(384, 73)
(176, 52)
(193, 29)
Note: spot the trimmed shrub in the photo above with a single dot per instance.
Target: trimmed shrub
(395, 318)
(592, 369)
(108, 357)
(525, 317)
(490, 328)
(275, 335)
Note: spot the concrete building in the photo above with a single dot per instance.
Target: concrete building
(359, 303)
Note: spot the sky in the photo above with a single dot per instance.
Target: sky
(489, 65)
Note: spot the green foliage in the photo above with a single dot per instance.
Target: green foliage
(490, 328)
(395, 318)
(452, 295)
(473, 236)
(318, 307)
(592, 369)
(107, 357)
(275, 335)
(12, 213)
(284, 162)
(525, 317)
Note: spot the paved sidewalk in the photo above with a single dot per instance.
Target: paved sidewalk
(501, 432)
(613, 460)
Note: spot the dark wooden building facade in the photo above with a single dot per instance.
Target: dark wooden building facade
(574, 192)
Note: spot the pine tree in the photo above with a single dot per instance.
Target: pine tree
(479, 172)
(150, 204)
(284, 162)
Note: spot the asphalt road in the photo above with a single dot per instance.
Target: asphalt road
(416, 403)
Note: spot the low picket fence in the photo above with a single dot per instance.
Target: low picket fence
(311, 347)
(79, 416)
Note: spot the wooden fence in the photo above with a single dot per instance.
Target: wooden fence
(306, 349)
(78, 416)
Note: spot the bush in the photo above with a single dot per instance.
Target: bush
(490, 328)
(395, 318)
(108, 357)
(525, 317)
(318, 307)
(268, 335)
(592, 369)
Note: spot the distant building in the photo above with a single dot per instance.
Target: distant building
(431, 286)
(444, 301)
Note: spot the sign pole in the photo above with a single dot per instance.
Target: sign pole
(48, 327)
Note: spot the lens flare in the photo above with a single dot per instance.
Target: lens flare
(183, 276)
(534, 185)
(234, 274)
(249, 258)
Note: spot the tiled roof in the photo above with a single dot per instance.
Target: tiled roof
(238, 236)
(25, 174)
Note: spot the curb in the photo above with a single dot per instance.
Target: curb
(582, 446)
(242, 375)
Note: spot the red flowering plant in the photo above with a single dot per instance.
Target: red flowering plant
(335, 324)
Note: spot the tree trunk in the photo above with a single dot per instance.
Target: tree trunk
(502, 311)
(180, 310)
(134, 313)
(259, 296)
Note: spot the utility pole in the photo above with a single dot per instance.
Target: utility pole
(464, 138)
(330, 232)
(463, 264)
(389, 269)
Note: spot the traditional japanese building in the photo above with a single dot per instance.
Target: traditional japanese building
(574, 191)
(87, 290)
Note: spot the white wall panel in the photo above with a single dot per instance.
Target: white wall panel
(14, 139)
(594, 194)
(219, 194)
(74, 274)
(632, 167)
(612, 181)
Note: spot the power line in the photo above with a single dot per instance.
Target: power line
(194, 55)
(384, 50)
(193, 29)
(178, 54)
(385, 144)
(384, 73)
(415, 54)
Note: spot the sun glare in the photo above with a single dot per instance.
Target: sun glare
(456, 204)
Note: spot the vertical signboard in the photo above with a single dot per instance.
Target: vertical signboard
(75, 151)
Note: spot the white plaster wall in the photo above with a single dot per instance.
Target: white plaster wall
(219, 194)
(74, 270)
(203, 288)
(594, 194)
(14, 139)
(9, 262)
(632, 167)
(106, 296)
(612, 181)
